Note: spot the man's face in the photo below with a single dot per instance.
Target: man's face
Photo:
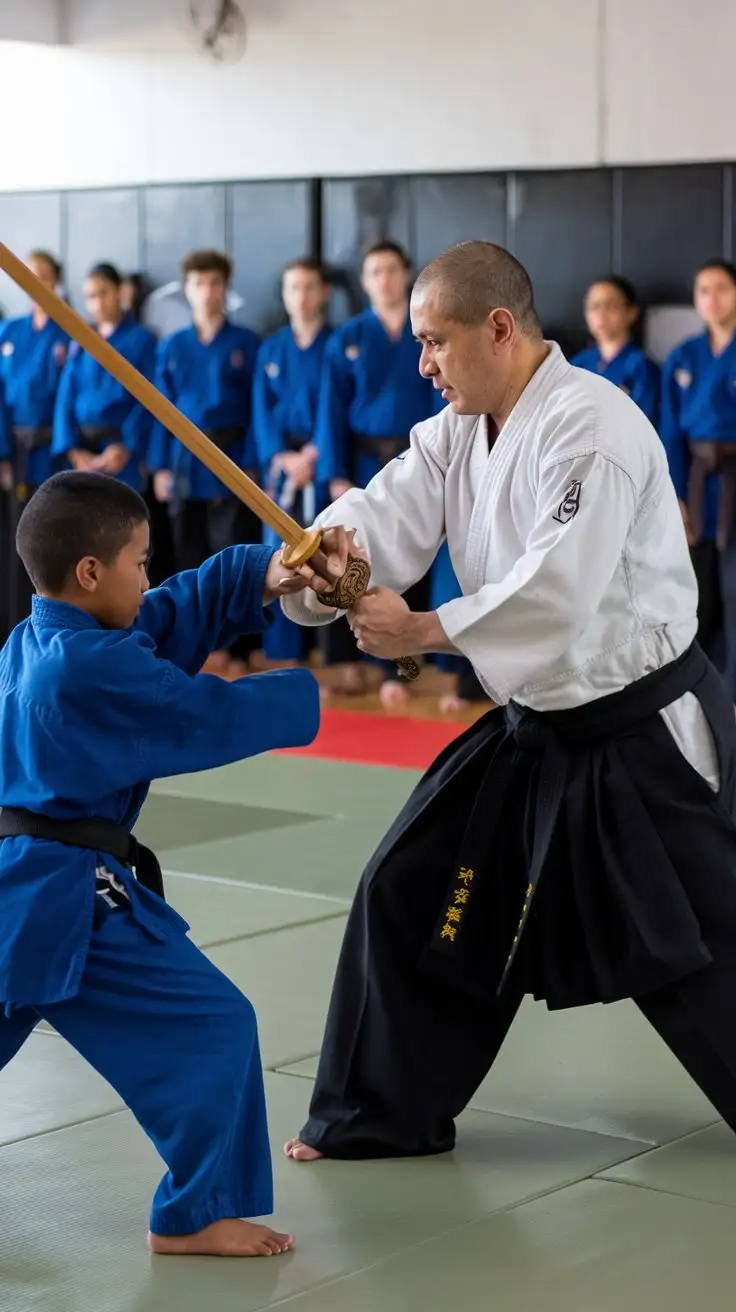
(206, 293)
(469, 364)
(304, 295)
(385, 280)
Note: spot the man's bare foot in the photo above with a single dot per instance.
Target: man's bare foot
(228, 1238)
(393, 693)
(301, 1152)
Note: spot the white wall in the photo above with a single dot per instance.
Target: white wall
(330, 87)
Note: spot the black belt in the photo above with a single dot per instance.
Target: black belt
(295, 441)
(94, 436)
(93, 835)
(225, 437)
(385, 449)
(552, 736)
(30, 438)
(712, 457)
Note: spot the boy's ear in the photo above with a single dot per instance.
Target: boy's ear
(88, 573)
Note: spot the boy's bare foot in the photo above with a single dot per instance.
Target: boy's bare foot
(228, 1238)
(301, 1152)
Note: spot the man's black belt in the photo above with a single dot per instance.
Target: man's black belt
(104, 836)
(31, 437)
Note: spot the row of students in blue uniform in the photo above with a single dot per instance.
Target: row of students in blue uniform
(693, 406)
(311, 411)
(352, 395)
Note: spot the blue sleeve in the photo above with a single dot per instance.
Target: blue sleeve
(65, 433)
(206, 609)
(159, 448)
(268, 430)
(152, 720)
(674, 439)
(332, 429)
(646, 389)
(6, 447)
(136, 427)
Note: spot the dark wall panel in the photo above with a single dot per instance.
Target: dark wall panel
(672, 220)
(177, 220)
(27, 220)
(355, 213)
(270, 223)
(561, 230)
(101, 225)
(455, 208)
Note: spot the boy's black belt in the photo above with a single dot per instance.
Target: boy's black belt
(104, 836)
(225, 437)
(94, 436)
(31, 437)
(385, 449)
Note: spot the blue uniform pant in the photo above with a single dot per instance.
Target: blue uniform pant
(178, 1042)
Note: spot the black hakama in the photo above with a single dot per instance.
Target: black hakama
(573, 855)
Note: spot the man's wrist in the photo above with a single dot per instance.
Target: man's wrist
(425, 635)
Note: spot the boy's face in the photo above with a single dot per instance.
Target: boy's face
(115, 592)
(206, 293)
(385, 280)
(102, 299)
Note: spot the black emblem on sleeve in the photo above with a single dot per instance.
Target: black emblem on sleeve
(570, 503)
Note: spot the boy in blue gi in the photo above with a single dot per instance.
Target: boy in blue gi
(372, 395)
(33, 352)
(207, 371)
(698, 428)
(99, 693)
(285, 395)
(99, 426)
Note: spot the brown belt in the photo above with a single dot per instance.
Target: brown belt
(712, 458)
(94, 437)
(384, 449)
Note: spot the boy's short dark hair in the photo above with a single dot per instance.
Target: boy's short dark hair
(309, 264)
(107, 272)
(207, 262)
(38, 254)
(387, 248)
(73, 515)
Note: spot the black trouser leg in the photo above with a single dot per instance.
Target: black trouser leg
(710, 601)
(697, 1020)
(404, 1052)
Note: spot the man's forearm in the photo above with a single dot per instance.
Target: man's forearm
(426, 635)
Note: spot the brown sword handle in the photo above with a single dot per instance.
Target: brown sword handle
(346, 592)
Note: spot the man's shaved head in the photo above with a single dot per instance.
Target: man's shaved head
(472, 309)
(476, 277)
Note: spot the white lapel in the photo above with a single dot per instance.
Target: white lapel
(506, 450)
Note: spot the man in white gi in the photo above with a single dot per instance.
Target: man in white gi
(578, 843)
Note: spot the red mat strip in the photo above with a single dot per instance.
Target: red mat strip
(379, 739)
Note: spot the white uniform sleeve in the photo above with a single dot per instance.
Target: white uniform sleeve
(399, 520)
(514, 630)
